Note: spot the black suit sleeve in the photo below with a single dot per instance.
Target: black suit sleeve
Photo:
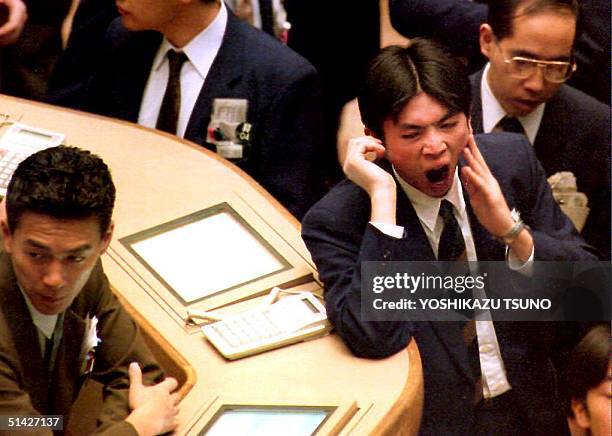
(338, 249)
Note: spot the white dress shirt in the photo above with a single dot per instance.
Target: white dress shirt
(494, 379)
(492, 112)
(201, 52)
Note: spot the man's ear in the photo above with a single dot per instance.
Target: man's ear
(469, 121)
(487, 40)
(581, 414)
(7, 237)
(106, 238)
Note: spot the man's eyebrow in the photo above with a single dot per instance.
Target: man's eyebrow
(445, 117)
(79, 249)
(408, 126)
(449, 114)
(531, 55)
(36, 244)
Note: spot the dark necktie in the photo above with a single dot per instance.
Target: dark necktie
(171, 104)
(511, 125)
(52, 345)
(48, 354)
(451, 246)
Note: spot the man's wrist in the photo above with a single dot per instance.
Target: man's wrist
(517, 226)
(383, 203)
(141, 423)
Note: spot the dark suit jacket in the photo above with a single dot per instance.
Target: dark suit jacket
(282, 89)
(25, 387)
(456, 24)
(26, 65)
(338, 234)
(574, 135)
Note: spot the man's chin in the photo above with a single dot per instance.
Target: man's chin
(521, 108)
(51, 307)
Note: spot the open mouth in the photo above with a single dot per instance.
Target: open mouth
(437, 175)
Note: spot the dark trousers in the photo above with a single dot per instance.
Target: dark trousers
(503, 416)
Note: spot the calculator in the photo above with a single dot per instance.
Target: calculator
(292, 319)
(19, 142)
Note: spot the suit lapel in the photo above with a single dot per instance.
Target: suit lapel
(417, 243)
(225, 74)
(550, 141)
(34, 377)
(476, 111)
(487, 248)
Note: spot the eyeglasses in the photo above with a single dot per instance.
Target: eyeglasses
(553, 71)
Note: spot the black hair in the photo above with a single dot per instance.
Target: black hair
(588, 365)
(503, 12)
(62, 182)
(397, 74)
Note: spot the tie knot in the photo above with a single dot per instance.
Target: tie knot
(511, 124)
(176, 61)
(446, 211)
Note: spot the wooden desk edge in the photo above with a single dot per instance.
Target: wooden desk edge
(166, 346)
(404, 417)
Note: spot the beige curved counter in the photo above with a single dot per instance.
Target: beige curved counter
(160, 178)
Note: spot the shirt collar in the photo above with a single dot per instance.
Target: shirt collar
(493, 112)
(44, 323)
(427, 208)
(207, 41)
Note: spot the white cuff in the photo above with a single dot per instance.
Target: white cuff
(392, 230)
(515, 264)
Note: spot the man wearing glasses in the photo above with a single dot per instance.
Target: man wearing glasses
(529, 44)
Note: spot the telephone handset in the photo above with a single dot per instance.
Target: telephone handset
(291, 319)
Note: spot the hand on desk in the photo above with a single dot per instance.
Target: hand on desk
(154, 408)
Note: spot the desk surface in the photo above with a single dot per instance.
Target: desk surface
(160, 178)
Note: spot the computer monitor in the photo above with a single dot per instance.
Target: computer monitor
(267, 420)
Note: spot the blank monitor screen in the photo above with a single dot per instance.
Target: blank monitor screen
(204, 253)
(266, 420)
